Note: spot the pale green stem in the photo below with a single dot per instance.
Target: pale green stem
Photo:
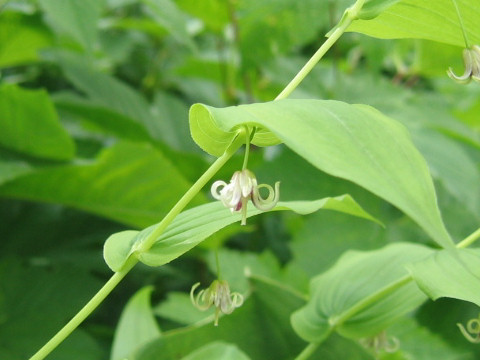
(308, 351)
(350, 15)
(193, 191)
(464, 33)
(84, 312)
(369, 300)
(146, 245)
(217, 260)
(469, 240)
(247, 149)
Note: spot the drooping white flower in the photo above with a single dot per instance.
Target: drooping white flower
(243, 187)
(217, 294)
(471, 58)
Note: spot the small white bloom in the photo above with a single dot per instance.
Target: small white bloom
(243, 187)
(217, 294)
(471, 58)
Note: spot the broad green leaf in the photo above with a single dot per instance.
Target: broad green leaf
(167, 14)
(194, 225)
(136, 327)
(101, 118)
(259, 328)
(450, 164)
(107, 91)
(269, 27)
(131, 183)
(78, 19)
(214, 13)
(425, 19)
(172, 120)
(419, 343)
(360, 278)
(30, 124)
(35, 301)
(12, 168)
(443, 275)
(217, 351)
(20, 39)
(354, 142)
(372, 8)
(314, 250)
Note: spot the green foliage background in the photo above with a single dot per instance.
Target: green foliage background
(95, 139)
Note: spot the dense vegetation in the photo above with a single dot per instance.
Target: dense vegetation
(376, 207)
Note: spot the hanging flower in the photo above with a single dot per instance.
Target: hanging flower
(217, 294)
(471, 58)
(243, 187)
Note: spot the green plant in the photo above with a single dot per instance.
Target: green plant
(87, 139)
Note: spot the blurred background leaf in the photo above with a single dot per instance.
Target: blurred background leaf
(94, 139)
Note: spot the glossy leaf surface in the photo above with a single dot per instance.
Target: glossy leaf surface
(195, 225)
(354, 142)
(137, 325)
(355, 278)
(445, 274)
(425, 19)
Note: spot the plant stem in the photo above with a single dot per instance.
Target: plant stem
(369, 300)
(84, 312)
(350, 15)
(247, 149)
(97, 299)
(193, 191)
(217, 260)
(308, 351)
(469, 240)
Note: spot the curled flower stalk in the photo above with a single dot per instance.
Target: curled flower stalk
(381, 343)
(472, 332)
(217, 294)
(243, 187)
(471, 58)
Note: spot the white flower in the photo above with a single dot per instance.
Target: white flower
(471, 58)
(217, 294)
(243, 187)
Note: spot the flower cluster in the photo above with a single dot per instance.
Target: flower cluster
(243, 187)
(217, 294)
(471, 58)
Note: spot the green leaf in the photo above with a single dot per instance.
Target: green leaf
(450, 164)
(167, 13)
(425, 19)
(419, 343)
(107, 91)
(20, 39)
(358, 296)
(137, 326)
(12, 168)
(217, 351)
(354, 142)
(269, 27)
(78, 19)
(30, 124)
(109, 186)
(449, 274)
(35, 301)
(194, 225)
(101, 118)
(372, 8)
(214, 13)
